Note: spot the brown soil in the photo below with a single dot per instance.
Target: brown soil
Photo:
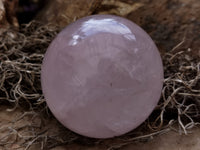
(10, 120)
(167, 141)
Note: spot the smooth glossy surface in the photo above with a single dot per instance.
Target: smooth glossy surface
(102, 76)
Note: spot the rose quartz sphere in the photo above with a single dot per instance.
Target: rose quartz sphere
(102, 76)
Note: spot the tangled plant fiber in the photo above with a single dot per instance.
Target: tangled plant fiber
(21, 54)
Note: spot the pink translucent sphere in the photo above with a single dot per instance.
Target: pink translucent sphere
(102, 76)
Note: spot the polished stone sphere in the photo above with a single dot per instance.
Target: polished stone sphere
(102, 76)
